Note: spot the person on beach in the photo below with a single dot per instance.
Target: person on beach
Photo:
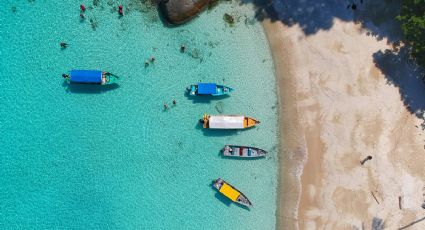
(366, 159)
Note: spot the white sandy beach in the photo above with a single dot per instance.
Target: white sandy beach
(337, 107)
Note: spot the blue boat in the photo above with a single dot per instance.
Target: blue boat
(209, 89)
(90, 77)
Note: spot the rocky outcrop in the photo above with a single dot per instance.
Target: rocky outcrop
(181, 11)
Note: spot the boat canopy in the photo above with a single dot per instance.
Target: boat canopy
(226, 122)
(86, 76)
(230, 192)
(207, 88)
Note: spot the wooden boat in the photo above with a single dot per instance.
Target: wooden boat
(90, 77)
(227, 122)
(231, 192)
(212, 89)
(243, 151)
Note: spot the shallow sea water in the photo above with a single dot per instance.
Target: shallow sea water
(91, 157)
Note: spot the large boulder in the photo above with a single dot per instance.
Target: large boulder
(181, 11)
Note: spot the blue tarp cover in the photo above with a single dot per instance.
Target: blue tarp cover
(207, 88)
(86, 76)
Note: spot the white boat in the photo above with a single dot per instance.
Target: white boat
(228, 122)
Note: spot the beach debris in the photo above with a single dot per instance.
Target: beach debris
(399, 203)
(374, 197)
(229, 18)
(366, 159)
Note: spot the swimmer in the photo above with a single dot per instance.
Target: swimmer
(174, 102)
(182, 48)
(146, 64)
(152, 58)
(165, 106)
(83, 7)
(64, 45)
(65, 76)
(120, 10)
(82, 16)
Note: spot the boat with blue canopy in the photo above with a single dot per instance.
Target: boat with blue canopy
(90, 77)
(212, 89)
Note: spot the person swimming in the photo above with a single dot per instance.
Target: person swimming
(182, 48)
(63, 45)
(120, 10)
(174, 102)
(65, 75)
(165, 106)
(83, 7)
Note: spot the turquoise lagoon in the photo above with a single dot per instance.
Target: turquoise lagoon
(89, 157)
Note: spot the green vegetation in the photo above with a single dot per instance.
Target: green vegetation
(413, 24)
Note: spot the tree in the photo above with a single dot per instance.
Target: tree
(412, 18)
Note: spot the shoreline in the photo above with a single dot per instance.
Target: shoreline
(291, 150)
(334, 110)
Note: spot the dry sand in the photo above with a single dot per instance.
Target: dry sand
(337, 108)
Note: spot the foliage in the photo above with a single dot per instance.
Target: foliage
(412, 18)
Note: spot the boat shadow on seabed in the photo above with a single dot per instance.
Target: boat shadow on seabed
(88, 88)
(204, 99)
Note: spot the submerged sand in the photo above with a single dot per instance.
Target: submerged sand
(337, 107)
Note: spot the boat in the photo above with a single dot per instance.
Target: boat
(231, 192)
(212, 89)
(243, 151)
(227, 122)
(90, 77)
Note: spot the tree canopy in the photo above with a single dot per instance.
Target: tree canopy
(412, 18)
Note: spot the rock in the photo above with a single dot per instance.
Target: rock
(181, 11)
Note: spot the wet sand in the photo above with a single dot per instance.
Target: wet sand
(337, 107)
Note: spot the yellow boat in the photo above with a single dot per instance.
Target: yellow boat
(232, 193)
(228, 122)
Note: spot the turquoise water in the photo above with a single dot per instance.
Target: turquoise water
(89, 157)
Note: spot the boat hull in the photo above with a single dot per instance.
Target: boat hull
(220, 90)
(231, 192)
(243, 151)
(228, 122)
